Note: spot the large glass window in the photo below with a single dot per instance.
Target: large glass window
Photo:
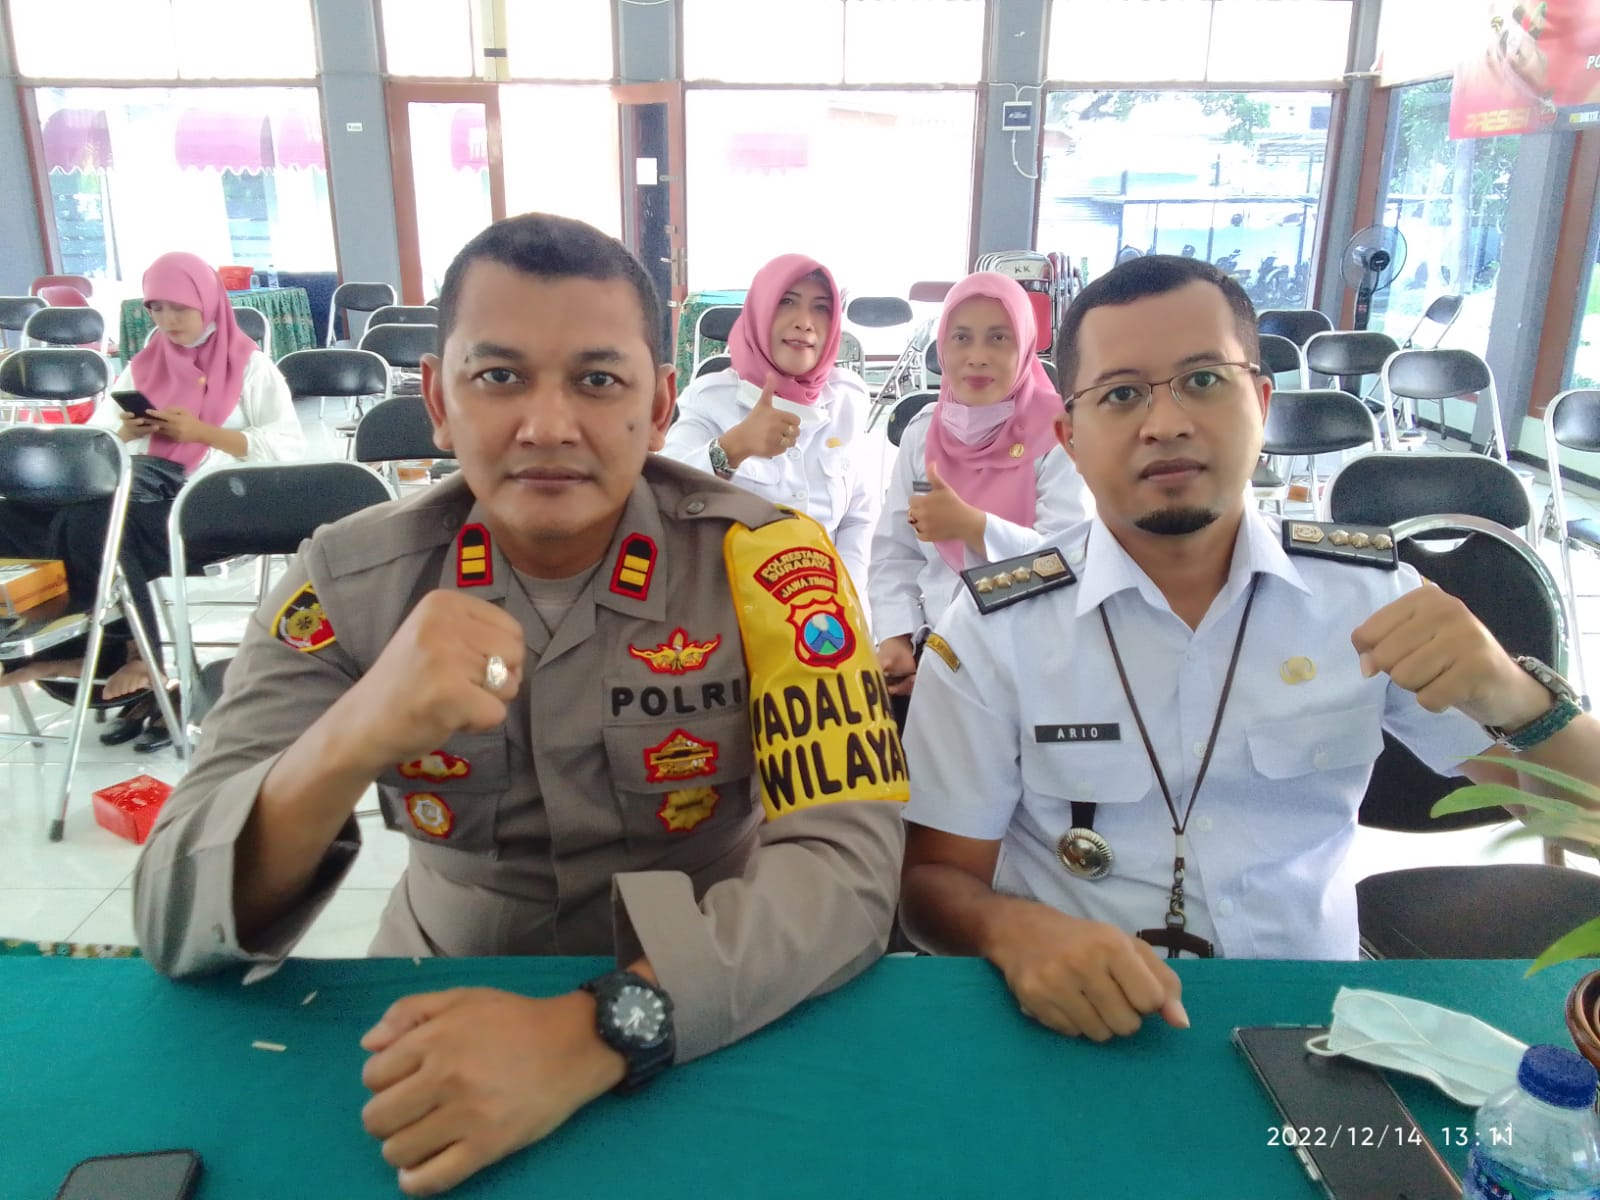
(163, 39)
(1585, 367)
(804, 171)
(1230, 177)
(429, 38)
(567, 40)
(1199, 41)
(833, 41)
(1448, 199)
(235, 175)
(547, 128)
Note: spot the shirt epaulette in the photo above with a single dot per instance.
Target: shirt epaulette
(996, 585)
(1368, 545)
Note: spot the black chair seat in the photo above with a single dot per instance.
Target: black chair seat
(1440, 912)
(905, 411)
(1586, 531)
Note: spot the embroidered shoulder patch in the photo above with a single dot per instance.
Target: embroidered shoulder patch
(636, 563)
(474, 565)
(301, 624)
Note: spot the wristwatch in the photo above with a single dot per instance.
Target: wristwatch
(1568, 705)
(719, 460)
(634, 1017)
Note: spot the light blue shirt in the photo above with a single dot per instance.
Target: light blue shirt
(1268, 843)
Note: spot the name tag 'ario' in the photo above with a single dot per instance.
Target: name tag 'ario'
(1067, 734)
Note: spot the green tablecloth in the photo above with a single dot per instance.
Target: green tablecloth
(688, 314)
(920, 1079)
(287, 310)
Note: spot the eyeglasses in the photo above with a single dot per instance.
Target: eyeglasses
(1197, 388)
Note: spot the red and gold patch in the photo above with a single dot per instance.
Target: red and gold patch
(430, 814)
(301, 624)
(806, 578)
(677, 655)
(435, 767)
(474, 563)
(682, 811)
(681, 756)
(636, 563)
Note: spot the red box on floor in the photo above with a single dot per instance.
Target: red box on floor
(128, 809)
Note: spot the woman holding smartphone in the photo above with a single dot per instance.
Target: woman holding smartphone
(213, 397)
(783, 421)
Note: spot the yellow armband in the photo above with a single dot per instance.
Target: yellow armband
(819, 709)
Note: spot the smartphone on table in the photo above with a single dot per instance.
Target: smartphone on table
(1350, 1130)
(159, 1175)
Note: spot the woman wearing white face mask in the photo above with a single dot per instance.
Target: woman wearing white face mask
(980, 476)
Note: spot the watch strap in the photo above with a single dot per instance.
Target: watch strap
(643, 1063)
(1557, 717)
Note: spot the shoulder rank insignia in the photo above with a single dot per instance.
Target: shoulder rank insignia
(301, 624)
(1369, 545)
(636, 563)
(474, 566)
(996, 585)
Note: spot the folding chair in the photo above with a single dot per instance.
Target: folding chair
(1299, 325)
(14, 314)
(254, 324)
(55, 386)
(252, 509)
(906, 411)
(405, 314)
(339, 373)
(1440, 375)
(1309, 423)
(710, 366)
(714, 325)
(1279, 356)
(83, 327)
(1348, 356)
(1441, 314)
(55, 468)
(402, 347)
(1390, 489)
(352, 299)
(395, 431)
(1572, 422)
(80, 283)
(1499, 911)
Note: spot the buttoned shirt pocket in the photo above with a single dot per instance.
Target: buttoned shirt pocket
(837, 464)
(676, 778)
(1324, 741)
(451, 797)
(765, 472)
(1113, 776)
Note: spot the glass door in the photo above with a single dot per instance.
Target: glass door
(449, 178)
(653, 209)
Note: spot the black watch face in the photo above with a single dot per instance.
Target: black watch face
(639, 1014)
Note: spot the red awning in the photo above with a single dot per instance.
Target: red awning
(298, 140)
(469, 139)
(223, 141)
(769, 151)
(76, 139)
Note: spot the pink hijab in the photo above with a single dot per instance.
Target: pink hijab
(747, 344)
(988, 476)
(205, 379)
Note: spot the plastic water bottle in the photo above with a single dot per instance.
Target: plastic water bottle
(1539, 1140)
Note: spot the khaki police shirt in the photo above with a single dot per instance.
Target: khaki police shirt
(620, 809)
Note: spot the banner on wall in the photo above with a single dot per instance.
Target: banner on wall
(1528, 65)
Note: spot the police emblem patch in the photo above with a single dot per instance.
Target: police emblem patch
(681, 756)
(677, 654)
(806, 579)
(301, 624)
(430, 814)
(435, 767)
(682, 811)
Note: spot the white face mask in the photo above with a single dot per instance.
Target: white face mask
(1460, 1055)
(973, 425)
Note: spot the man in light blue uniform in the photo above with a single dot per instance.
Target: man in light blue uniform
(1157, 740)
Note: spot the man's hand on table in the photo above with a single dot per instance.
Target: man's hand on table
(1083, 978)
(462, 1078)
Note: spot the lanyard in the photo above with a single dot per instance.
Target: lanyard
(1174, 937)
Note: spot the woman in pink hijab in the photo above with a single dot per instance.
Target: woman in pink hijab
(214, 397)
(784, 421)
(980, 475)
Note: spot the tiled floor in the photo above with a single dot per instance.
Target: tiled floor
(79, 889)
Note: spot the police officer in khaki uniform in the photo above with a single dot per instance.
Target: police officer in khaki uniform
(617, 705)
